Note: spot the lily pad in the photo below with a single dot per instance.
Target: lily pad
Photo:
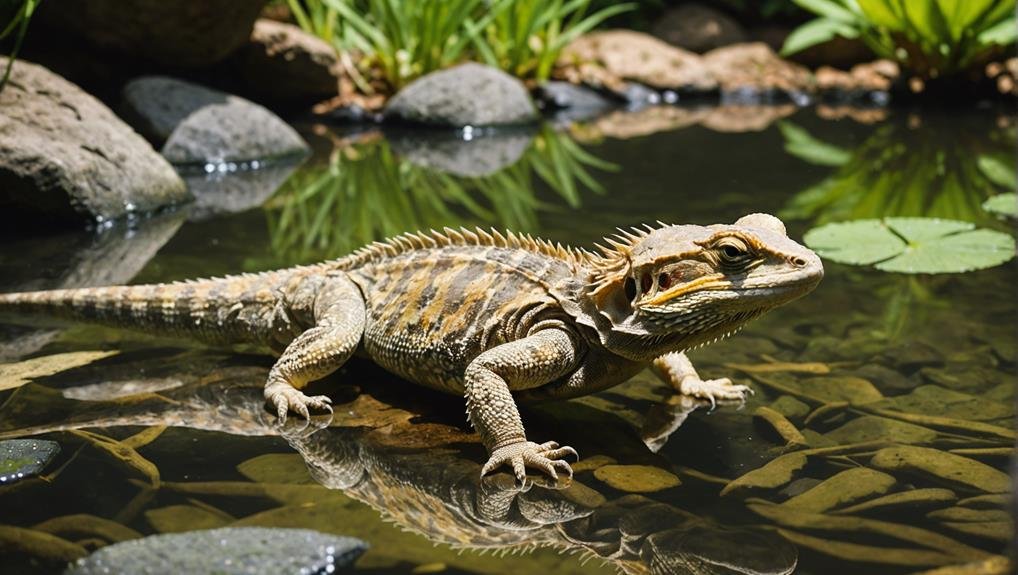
(1003, 204)
(946, 467)
(23, 458)
(636, 478)
(912, 245)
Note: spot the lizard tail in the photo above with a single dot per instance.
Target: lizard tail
(204, 309)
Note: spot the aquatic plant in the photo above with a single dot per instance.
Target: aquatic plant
(368, 192)
(930, 38)
(17, 24)
(405, 39)
(912, 245)
(525, 37)
(904, 170)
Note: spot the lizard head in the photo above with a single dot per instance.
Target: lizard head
(684, 285)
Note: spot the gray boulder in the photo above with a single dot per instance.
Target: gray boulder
(198, 125)
(183, 33)
(282, 63)
(65, 157)
(226, 551)
(467, 95)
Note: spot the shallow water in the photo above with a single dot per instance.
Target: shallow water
(869, 362)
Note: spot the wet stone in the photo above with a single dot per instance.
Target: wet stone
(227, 551)
(946, 467)
(636, 478)
(24, 458)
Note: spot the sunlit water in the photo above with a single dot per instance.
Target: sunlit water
(869, 362)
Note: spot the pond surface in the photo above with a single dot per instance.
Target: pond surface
(878, 439)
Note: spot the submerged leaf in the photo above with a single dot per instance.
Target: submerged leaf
(843, 488)
(912, 245)
(636, 478)
(911, 500)
(946, 467)
(774, 474)
(856, 552)
(17, 374)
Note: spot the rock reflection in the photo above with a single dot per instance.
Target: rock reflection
(410, 459)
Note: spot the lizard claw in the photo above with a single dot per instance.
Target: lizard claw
(715, 390)
(285, 399)
(545, 457)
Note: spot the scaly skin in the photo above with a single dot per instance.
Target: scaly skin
(497, 318)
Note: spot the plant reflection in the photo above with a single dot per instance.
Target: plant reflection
(927, 168)
(367, 192)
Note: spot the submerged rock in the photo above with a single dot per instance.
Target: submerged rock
(285, 64)
(467, 95)
(198, 125)
(226, 551)
(184, 33)
(65, 157)
(24, 458)
(698, 28)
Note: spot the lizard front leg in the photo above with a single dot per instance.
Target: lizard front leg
(339, 314)
(530, 362)
(676, 370)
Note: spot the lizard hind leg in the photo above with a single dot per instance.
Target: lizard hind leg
(339, 313)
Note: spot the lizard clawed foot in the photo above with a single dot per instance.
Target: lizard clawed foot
(285, 399)
(546, 457)
(715, 390)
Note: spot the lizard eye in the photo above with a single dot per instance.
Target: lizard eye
(664, 281)
(733, 253)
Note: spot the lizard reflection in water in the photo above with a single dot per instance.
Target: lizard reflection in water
(422, 475)
(496, 318)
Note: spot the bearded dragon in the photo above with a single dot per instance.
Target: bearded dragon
(495, 317)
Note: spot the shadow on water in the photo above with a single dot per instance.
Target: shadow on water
(876, 442)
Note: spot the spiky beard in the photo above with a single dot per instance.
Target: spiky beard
(692, 330)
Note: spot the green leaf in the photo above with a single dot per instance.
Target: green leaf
(828, 9)
(860, 242)
(885, 13)
(816, 32)
(802, 145)
(1004, 33)
(998, 172)
(1003, 204)
(912, 245)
